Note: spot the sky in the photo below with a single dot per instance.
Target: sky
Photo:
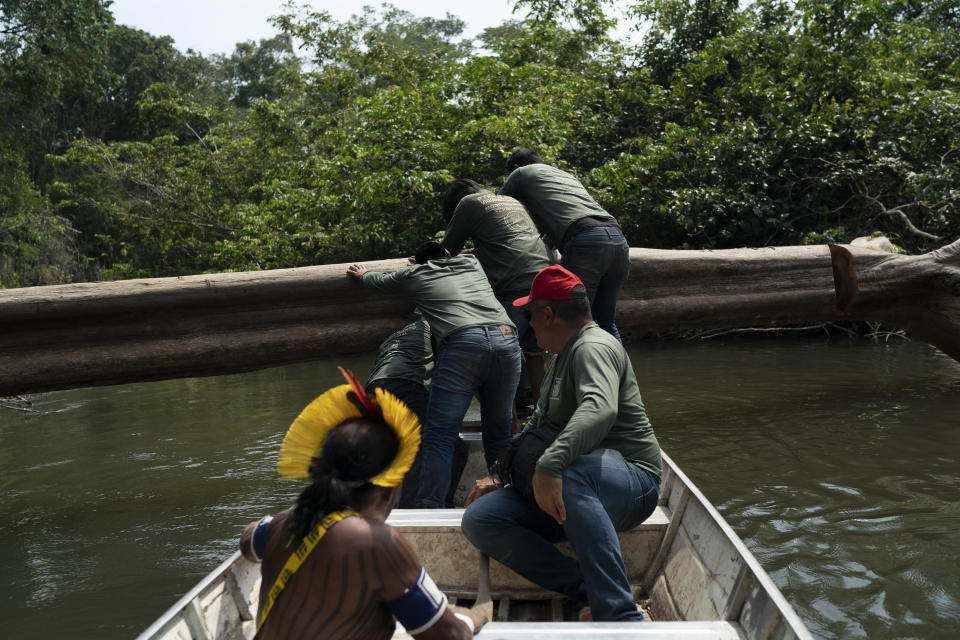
(215, 26)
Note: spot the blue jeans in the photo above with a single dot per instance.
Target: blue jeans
(416, 397)
(602, 494)
(475, 361)
(600, 257)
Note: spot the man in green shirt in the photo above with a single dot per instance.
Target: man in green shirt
(404, 362)
(588, 237)
(510, 250)
(599, 475)
(478, 354)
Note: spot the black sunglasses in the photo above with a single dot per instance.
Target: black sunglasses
(528, 312)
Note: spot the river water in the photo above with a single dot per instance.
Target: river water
(837, 462)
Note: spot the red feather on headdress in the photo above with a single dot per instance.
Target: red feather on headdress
(371, 406)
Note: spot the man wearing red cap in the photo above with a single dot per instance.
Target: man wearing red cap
(598, 475)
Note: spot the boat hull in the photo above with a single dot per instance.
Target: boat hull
(691, 571)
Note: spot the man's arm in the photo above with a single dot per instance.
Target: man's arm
(473, 618)
(456, 622)
(596, 371)
(482, 487)
(386, 282)
(253, 540)
(548, 493)
(416, 601)
(458, 230)
(596, 381)
(492, 482)
(512, 185)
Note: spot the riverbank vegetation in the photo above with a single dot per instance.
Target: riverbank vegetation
(726, 124)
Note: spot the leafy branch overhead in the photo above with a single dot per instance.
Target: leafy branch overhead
(720, 125)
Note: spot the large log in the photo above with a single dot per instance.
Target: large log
(90, 334)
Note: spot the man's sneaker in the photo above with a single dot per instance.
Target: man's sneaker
(586, 616)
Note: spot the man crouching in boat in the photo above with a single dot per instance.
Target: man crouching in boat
(586, 466)
(332, 568)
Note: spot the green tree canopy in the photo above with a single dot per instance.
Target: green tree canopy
(728, 125)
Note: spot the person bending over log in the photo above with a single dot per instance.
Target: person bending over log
(510, 250)
(479, 356)
(588, 237)
(404, 362)
(332, 567)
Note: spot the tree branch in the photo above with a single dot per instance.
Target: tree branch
(898, 212)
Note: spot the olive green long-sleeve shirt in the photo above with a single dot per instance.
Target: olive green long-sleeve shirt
(452, 293)
(506, 241)
(554, 198)
(405, 355)
(591, 400)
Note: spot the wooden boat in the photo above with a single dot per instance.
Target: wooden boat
(690, 571)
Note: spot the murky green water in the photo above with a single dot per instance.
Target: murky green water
(838, 463)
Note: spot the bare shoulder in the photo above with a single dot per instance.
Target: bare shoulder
(358, 534)
(390, 561)
(366, 536)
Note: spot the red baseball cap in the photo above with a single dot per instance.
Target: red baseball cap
(552, 283)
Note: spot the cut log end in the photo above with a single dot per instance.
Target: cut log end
(844, 278)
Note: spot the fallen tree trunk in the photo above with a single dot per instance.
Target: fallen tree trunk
(90, 334)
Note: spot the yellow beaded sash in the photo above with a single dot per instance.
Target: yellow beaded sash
(298, 557)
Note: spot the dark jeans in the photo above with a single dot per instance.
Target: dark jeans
(602, 494)
(416, 396)
(600, 257)
(528, 345)
(478, 361)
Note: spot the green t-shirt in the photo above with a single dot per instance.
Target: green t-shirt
(405, 355)
(506, 241)
(452, 294)
(591, 400)
(554, 198)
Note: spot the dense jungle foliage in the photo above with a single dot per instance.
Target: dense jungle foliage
(729, 124)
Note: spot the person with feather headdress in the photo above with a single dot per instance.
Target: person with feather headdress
(331, 566)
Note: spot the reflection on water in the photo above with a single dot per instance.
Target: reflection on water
(837, 463)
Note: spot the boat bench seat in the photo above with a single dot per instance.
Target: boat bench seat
(453, 562)
(711, 630)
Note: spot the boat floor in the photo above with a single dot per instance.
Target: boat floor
(526, 615)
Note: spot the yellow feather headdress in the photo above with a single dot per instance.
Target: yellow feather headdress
(304, 439)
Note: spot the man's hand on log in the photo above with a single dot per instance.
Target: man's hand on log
(356, 271)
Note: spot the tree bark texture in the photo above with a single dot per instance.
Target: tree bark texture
(90, 334)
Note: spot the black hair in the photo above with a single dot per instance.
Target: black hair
(459, 189)
(521, 158)
(575, 309)
(431, 250)
(353, 452)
